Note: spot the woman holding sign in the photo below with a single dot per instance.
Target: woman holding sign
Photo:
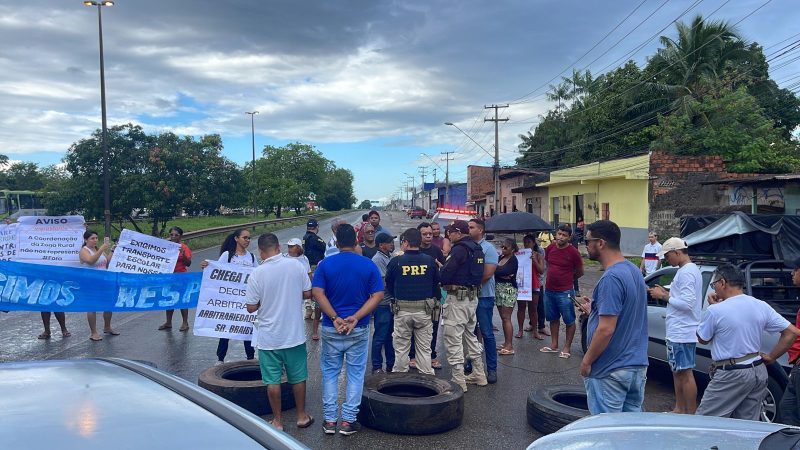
(234, 251)
(184, 261)
(537, 263)
(95, 257)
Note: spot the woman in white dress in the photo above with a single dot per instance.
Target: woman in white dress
(95, 257)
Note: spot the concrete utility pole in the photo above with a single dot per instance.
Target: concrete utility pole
(253, 135)
(422, 177)
(496, 121)
(447, 178)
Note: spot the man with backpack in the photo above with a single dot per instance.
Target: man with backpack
(461, 278)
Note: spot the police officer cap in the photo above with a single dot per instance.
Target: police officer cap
(460, 226)
(312, 223)
(384, 238)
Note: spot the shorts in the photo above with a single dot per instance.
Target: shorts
(294, 359)
(557, 305)
(505, 295)
(680, 355)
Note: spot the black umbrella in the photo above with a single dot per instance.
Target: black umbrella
(516, 222)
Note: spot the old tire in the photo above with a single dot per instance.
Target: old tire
(552, 407)
(240, 382)
(411, 403)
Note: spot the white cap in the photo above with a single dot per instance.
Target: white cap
(294, 241)
(673, 243)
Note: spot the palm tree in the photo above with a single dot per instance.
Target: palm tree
(686, 68)
(559, 92)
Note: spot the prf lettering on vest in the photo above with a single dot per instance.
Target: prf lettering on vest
(414, 270)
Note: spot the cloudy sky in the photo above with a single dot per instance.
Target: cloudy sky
(369, 83)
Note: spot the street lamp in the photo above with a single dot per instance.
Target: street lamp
(104, 133)
(496, 165)
(253, 134)
(446, 180)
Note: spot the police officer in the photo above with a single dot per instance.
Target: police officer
(458, 313)
(412, 279)
(313, 245)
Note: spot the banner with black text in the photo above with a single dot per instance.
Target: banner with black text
(221, 310)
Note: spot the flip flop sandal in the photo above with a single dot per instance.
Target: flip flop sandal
(186, 328)
(165, 327)
(505, 351)
(66, 334)
(308, 423)
(547, 350)
(111, 332)
(564, 355)
(44, 336)
(96, 340)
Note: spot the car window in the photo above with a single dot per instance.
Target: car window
(664, 279)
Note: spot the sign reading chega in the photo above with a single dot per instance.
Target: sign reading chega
(50, 240)
(221, 310)
(140, 253)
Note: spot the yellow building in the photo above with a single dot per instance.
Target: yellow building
(614, 190)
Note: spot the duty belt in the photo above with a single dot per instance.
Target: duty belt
(411, 305)
(451, 288)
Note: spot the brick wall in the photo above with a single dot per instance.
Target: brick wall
(676, 189)
(480, 180)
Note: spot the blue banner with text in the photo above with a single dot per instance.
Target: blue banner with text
(38, 287)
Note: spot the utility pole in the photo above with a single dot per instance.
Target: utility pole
(447, 178)
(496, 121)
(422, 177)
(253, 135)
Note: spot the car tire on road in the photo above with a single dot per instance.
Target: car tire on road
(552, 407)
(769, 409)
(240, 382)
(411, 403)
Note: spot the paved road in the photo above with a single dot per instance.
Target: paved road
(494, 415)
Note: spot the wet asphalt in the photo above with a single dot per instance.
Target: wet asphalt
(494, 415)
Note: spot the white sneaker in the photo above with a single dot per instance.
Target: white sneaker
(219, 363)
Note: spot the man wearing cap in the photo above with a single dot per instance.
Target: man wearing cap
(789, 408)
(427, 247)
(368, 245)
(684, 308)
(313, 245)
(651, 261)
(459, 310)
(412, 279)
(733, 323)
(383, 317)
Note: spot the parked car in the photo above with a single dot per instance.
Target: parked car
(110, 403)
(621, 431)
(418, 213)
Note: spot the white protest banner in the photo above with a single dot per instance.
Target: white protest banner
(50, 239)
(8, 242)
(221, 309)
(524, 275)
(140, 253)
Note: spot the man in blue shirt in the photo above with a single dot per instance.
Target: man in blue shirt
(347, 288)
(615, 362)
(485, 304)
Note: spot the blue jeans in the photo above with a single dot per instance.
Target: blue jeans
(335, 349)
(484, 315)
(620, 391)
(382, 338)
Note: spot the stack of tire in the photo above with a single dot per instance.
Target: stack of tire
(552, 407)
(240, 382)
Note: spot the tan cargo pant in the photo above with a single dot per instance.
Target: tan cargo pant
(419, 323)
(459, 320)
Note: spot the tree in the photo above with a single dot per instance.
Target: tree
(366, 204)
(288, 176)
(337, 193)
(22, 176)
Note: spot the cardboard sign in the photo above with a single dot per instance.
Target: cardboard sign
(221, 308)
(140, 253)
(54, 240)
(524, 275)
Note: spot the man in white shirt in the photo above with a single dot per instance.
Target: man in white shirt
(684, 309)
(651, 261)
(733, 324)
(276, 289)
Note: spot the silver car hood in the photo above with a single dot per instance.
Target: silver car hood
(657, 430)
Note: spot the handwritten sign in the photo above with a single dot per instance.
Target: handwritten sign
(8, 241)
(140, 253)
(54, 240)
(524, 275)
(221, 309)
